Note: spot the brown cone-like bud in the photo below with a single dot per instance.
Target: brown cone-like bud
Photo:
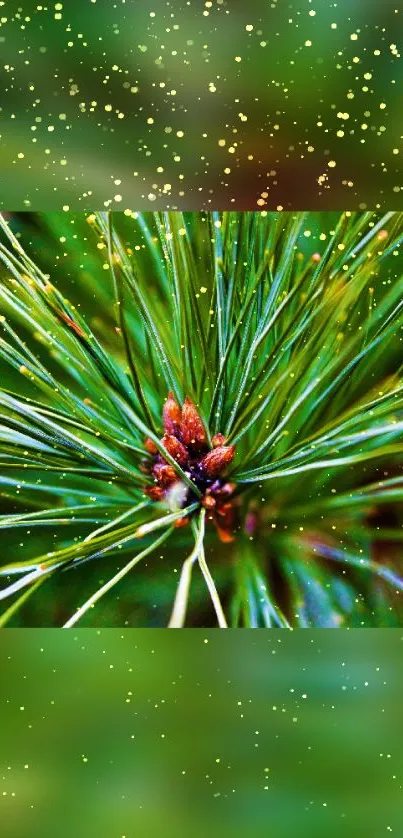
(150, 446)
(192, 428)
(165, 474)
(216, 461)
(224, 535)
(171, 415)
(175, 448)
(208, 502)
(225, 521)
(218, 440)
(181, 522)
(155, 492)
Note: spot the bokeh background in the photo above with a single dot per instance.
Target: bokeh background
(118, 733)
(194, 105)
(142, 733)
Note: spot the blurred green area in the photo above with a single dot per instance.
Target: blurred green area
(175, 104)
(116, 733)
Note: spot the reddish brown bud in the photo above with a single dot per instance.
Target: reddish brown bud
(171, 415)
(155, 492)
(181, 522)
(165, 474)
(224, 518)
(208, 502)
(145, 466)
(224, 535)
(175, 448)
(218, 440)
(192, 428)
(150, 446)
(216, 461)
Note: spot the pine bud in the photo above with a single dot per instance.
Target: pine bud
(181, 522)
(225, 521)
(155, 492)
(216, 461)
(192, 428)
(208, 502)
(175, 448)
(218, 440)
(171, 415)
(224, 535)
(150, 446)
(165, 474)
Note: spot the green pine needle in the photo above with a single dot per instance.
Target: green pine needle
(285, 330)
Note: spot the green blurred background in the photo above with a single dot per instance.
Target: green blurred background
(197, 105)
(119, 733)
(120, 730)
